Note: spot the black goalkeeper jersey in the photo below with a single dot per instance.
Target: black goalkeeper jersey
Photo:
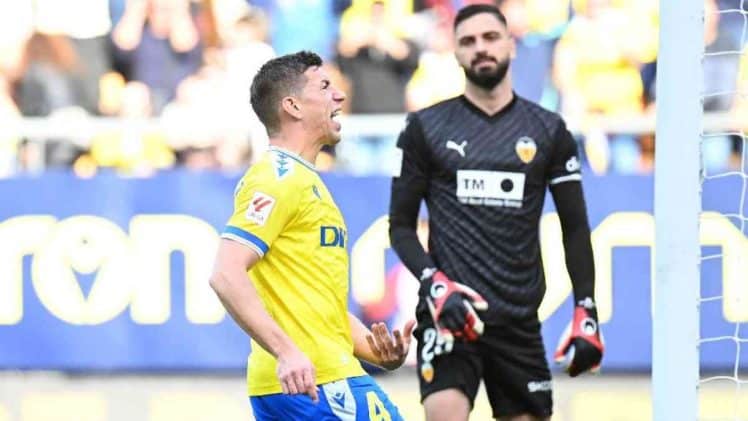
(483, 178)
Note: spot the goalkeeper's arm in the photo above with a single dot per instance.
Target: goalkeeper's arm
(580, 263)
(452, 305)
(409, 187)
(582, 342)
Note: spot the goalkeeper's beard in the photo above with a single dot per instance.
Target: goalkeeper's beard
(490, 78)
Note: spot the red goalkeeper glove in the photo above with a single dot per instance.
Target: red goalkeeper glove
(452, 306)
(580, 345)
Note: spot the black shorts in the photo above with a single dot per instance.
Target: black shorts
(509, 357)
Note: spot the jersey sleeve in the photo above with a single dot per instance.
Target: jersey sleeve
(565, 165)
(262, 209)
(415, 153)
(409, 187)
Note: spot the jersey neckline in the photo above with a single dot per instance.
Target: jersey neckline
(294, 156)
(495, 116)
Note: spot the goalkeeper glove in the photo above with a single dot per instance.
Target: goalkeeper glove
(452, 306)
(581, 346)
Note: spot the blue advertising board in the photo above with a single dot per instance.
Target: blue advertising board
(111, 273)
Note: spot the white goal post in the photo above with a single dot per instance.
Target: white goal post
(677, 206)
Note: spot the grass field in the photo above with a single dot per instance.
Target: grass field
(50, 396)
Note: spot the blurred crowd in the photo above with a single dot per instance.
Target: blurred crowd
(190, 63)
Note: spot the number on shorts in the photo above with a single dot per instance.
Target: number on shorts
(377, 411)
(429, 340)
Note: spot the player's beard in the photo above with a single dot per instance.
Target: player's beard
(488, 79)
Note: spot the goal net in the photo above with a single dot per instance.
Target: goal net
(723, 298)
(700, 290)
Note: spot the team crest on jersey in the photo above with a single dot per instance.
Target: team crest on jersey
(282, 164)
(526, 149)
(260, 207)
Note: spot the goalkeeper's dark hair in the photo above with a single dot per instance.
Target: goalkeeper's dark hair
(475, 9)
(278, 78)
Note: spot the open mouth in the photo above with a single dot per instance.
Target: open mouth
(334, 117)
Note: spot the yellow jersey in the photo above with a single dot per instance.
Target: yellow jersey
(284, 212)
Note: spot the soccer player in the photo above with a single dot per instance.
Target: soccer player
(482, 162)
(282, 267)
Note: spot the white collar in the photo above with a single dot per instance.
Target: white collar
(293, 155)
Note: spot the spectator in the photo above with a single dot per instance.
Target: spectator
(317, 18)
(16, 19)
(226, 13)
(87, 24)
(398, 13)
(8, 140)
(531, 67)
(722, 84)
(732, 23)
(49, 75)
(720, 71)
(245, 51)
(549, 17)
(159, 44)
(737, 161)
(596, 69)
(132, 152)
(199, 127)
(378, 64)
(438, 76)
(50, 86)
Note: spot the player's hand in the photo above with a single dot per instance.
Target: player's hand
(391, 350)
(297, 374)
(453, 307)
(581, 347)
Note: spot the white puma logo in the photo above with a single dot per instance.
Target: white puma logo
(460, 149)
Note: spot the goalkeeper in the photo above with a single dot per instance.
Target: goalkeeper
(482, 163)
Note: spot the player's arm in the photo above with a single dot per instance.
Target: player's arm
(582, 343)
(571, 208)
(377, 346)
(452, 305)
(409, 187)
(241, 300)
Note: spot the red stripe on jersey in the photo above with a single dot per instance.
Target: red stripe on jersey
(261, 203)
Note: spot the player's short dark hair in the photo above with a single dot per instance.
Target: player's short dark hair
(475, 9)
(276, 79)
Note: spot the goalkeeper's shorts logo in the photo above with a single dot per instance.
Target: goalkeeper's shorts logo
(427, 372)
(541, 386)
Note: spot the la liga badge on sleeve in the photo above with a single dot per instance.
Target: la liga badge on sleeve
(260, 207)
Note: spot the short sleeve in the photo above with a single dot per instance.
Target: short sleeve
(565, 165)
(262, 209)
